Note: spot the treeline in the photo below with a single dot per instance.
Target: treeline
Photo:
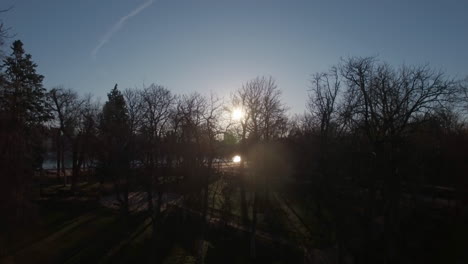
(381, 141)
(150, 140)
(140, 139)
(382, 132)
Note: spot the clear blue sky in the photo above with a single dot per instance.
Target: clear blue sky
(217, 45)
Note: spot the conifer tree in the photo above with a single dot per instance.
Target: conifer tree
(23, 110)
(115, 131)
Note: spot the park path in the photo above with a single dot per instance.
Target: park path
(137, 201)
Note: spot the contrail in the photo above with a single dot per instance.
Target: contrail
(117, 26)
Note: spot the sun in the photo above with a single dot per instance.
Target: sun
(237, 114)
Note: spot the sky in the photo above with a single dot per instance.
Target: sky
(217, 45)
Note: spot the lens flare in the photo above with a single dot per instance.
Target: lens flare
(236, 159)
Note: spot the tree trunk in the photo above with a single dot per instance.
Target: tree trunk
(253, 252)
(75, 168)
(242, 179)
(125, 193)
(62, 146)
(58, 149)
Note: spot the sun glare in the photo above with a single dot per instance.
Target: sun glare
(237, 114)
(236, 159)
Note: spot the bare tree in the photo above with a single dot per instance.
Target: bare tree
(76, 121)
(66, 108)
(87, 133)
(3, 30)
(463, 86)
(273, 110)
(134, 103)
(382, 101)
(387, 99)
(323, 99)
(156, 106)
(239, 101)
(264, 115)
(211, 129)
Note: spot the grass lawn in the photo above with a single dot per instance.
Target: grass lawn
(79, 230)
(85, 238)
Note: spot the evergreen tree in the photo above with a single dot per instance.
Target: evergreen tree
(23, 109)
(22, 93)
(114, 119)
(115, 130)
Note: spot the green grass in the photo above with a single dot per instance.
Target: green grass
(80, 231)
(60, 244)
(68, 229)
(84, 239)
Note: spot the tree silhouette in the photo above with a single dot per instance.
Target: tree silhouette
(114, 132)
(264, 115)
(23, 94)
(23, 109)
